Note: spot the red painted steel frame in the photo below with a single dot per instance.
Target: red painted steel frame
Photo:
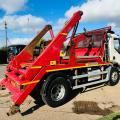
(17, 77)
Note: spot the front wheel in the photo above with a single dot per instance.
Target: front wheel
(114, 76)
(57, 90)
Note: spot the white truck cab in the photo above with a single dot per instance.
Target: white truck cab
(114, 48)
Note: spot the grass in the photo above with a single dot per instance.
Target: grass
(113, 116)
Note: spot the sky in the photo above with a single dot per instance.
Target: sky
(25, 18)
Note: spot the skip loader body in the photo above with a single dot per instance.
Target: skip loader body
(49, 70)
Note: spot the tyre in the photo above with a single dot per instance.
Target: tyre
(35, 94)
(114, 76)
(56, 90)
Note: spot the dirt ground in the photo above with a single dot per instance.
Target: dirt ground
(89, 105)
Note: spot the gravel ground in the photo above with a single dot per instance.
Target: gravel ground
(2, 69)
(104, 96)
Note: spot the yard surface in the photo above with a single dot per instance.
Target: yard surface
(100, 102)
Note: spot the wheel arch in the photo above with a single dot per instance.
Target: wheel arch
(51, 74)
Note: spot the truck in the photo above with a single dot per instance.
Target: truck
(58, 67)
(13, 50)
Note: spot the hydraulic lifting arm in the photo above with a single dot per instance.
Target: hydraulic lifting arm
(52, 52)
(27, 52)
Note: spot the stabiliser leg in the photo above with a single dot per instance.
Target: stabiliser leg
(13, 110)
(2, 87)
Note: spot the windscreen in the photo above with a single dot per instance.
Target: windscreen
(117, 45)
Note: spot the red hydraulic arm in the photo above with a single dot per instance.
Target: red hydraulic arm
(51, 53)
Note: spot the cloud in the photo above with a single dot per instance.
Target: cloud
(61, 21)
(70, 12)
(12, 6)
(15, 41)
(98, 10)
(23, 24)
(115, 26)
(95, 10)
(58, 25)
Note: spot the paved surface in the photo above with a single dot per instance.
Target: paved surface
(106, 96)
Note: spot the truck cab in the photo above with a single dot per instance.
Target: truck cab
(14, 50)
(114, 48)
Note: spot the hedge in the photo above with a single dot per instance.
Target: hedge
(3, 56)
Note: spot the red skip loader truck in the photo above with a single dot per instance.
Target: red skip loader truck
(51, 69)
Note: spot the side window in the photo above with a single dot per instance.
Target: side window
(15, 50)
(117, 45)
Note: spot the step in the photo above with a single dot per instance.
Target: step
(19, 71)
(12, 76)
(81, 57)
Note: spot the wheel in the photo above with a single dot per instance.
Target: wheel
(114, 76)
(56, 90)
